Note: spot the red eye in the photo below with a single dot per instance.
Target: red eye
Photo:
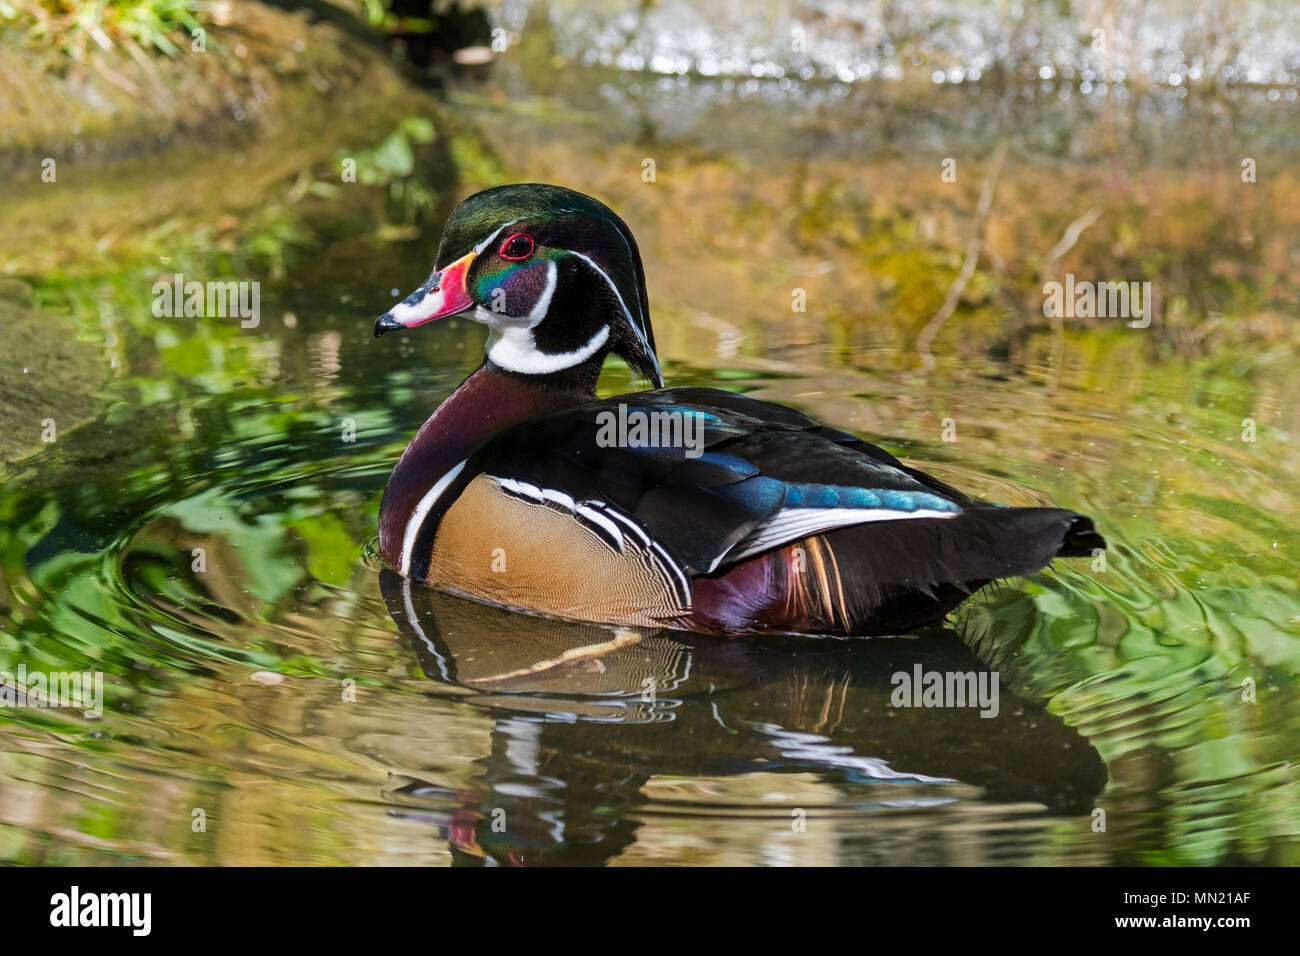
(518, 246)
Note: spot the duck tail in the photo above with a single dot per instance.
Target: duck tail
(889, 577)
(1081, 539)
(902, 574)
(981, 544)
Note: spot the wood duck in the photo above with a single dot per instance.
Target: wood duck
(688, 508)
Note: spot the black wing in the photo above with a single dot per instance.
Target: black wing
(715, 477)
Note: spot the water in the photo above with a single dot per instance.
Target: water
(272, 696)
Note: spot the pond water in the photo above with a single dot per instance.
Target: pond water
(272, 696)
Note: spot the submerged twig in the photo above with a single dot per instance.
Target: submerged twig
(1057, 253)
(1069, 238)
(973, 249)
(117, 79)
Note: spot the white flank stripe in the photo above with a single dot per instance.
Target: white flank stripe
(560, 498)
(591, 510)
(672, 565)
(421, 512)
(632, 525)
(595, 517)
(527, 489)
(791, 524)
(599, 513)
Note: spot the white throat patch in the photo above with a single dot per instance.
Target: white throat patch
(515, 350)
(511, 344)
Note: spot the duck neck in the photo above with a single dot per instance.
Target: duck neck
(485, 403)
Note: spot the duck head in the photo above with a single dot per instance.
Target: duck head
(554, 275)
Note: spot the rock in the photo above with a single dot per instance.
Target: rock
(49, 380)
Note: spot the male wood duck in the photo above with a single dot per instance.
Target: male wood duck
(688, 508)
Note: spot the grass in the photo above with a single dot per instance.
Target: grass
(79, 28)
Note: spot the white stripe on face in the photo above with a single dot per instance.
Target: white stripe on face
(478, 250)
(543, 302)
(636, 327)
(503, 320)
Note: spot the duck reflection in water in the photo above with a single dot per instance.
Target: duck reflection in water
(587, 716)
